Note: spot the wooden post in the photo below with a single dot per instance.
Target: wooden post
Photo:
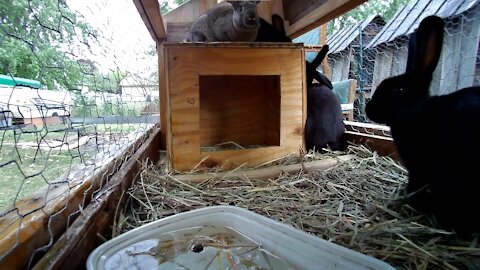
(323, 40)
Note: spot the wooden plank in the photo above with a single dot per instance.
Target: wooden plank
(178, 32)
(189, 11)
(323, 40)
(187, 63)
(74, 246)
(265, 173)
(297, 9)
(373, 129)
(265, 9)
(240, 45)
(149, 11)
(383, 67)
(42, 216)
(162, 88)
(241, 109)
(351, 97)
(384, 146)
(329, 10)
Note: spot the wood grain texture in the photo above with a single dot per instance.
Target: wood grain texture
(243, 109)
(185, 66)
(265, 173)
(318, 16)
(162, 87)
(149, 11)
(383, 145)
(189, 11)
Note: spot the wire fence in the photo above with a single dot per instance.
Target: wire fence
(373, 49)
(77, 88)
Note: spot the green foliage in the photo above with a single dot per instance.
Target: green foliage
(385, 8)
(34, 35)
(165, 5)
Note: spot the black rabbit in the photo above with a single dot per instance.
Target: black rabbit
(437, 137)
(324, 126)
(274, 32)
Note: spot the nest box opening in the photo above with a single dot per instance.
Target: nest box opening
(239, 111)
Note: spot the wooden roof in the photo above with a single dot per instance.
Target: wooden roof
(301, 16)
(407, 19)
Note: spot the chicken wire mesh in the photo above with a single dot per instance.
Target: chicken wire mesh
(78, 86)
(376, 48)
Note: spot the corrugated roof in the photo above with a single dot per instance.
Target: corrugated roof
(343, 38)
(310, 38)
(407, 19)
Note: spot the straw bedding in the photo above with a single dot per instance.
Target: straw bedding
(359, 204)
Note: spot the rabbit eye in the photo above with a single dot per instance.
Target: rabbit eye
(399, 90)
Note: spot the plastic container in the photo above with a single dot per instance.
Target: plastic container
(224, 237)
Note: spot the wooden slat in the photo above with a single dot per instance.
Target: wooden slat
(367, 128)
(323, 41)
(266, 173)
(265, 9)
(189, 11)
(42, 216)
(187, 62)
(74, 246)
(149, 10)
(384, 146)
(351, 97)
(238, 109)
(240, 45)
(162, 88)
(178, 31)
(320, 15)
(297, 9)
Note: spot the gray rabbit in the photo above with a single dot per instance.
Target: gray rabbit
(437, 137)
(227, 21)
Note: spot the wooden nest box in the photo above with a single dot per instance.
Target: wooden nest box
(227, 104)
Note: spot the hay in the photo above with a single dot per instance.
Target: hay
(357, 204)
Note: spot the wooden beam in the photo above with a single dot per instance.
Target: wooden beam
(367, 128)
(42, 217)
(74, 246)
(384, 146)
(265, 173)
(316, 16)
(162, 88)
(151, 15)
(323, 41)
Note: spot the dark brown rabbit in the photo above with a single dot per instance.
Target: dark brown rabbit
(437, 137)
(324, 126)
(274, 32)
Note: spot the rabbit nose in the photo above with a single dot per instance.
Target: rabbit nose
(251, 16)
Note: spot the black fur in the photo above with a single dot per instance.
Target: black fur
(437, 137)
(274, 32)
(324, 126)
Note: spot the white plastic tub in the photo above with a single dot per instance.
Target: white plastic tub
(224, 237)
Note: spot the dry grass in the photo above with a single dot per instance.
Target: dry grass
(357, 204)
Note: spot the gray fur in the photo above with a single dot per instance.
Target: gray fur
(227, 21)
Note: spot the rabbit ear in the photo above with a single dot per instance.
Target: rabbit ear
(412, 44)
(429, 39)
(319, 58)
(323, 80)
(234, 4)
(278, 23)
